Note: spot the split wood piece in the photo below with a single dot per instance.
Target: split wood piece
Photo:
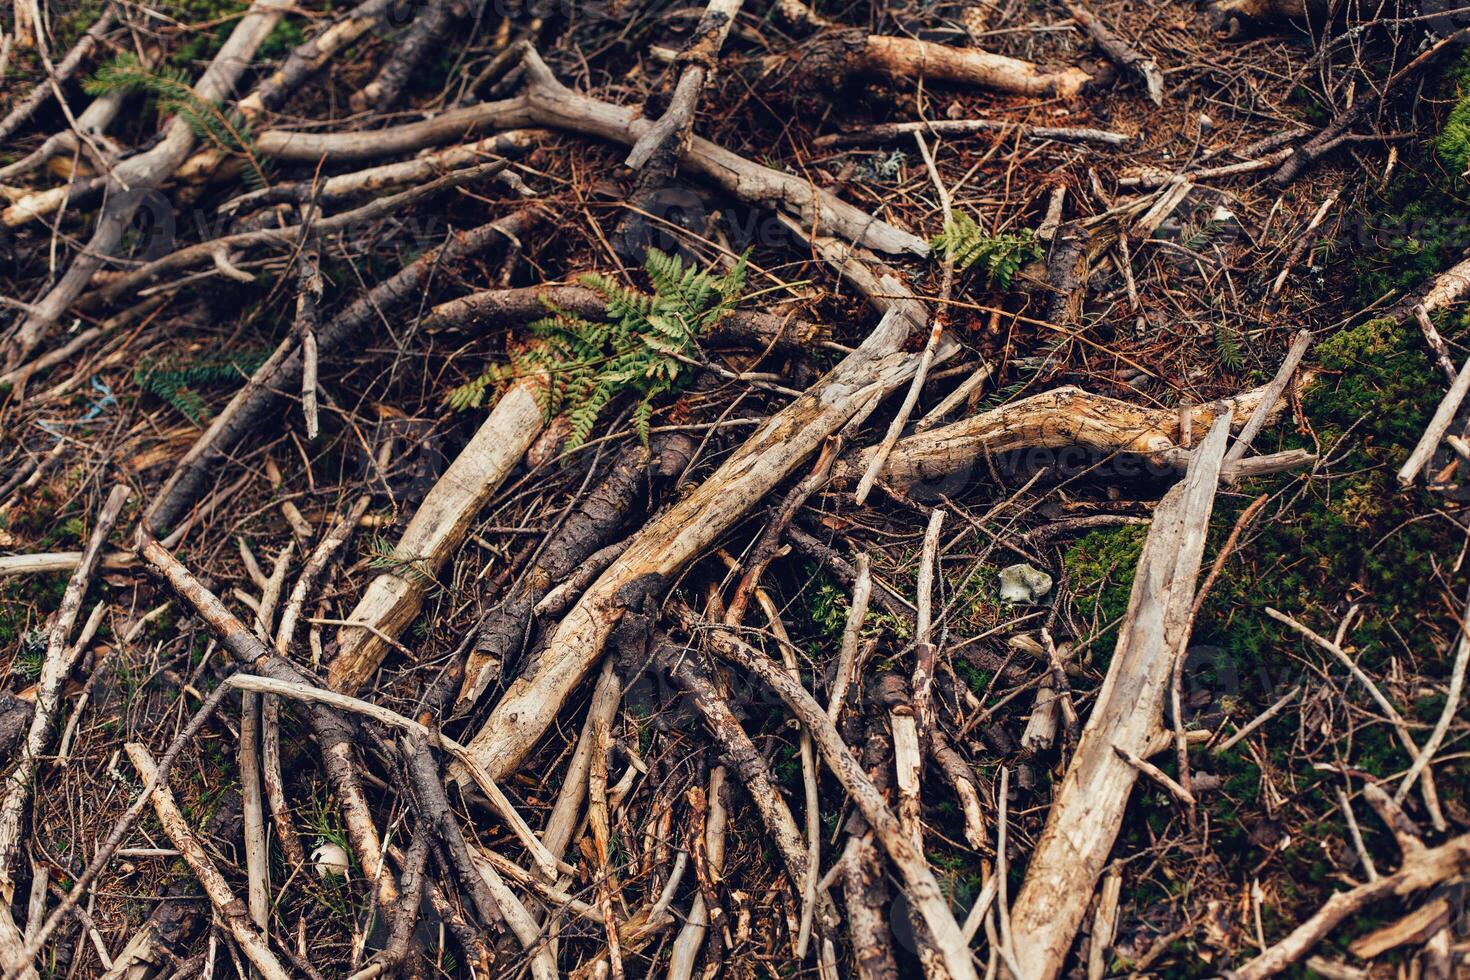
(220, 250)
(836, 56)
(24, 108)
(305, 60)
(1104, 925)
(699, 56)
(694, 523)
(437, 528)
(1120, 52)
(1088, 807)
(1055, 419)
(1416, 927)
(1439, 424)
(603, 513)
(890, 132)
(334, 736)
(426, 33)
(231, 911)
(566, 813)
(20, 783)
(132, 180)
(920, 885)
(255, 407)
(496, 307)
(547, 102)
(342, 187)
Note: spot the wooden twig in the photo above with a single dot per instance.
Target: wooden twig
(1120, 52)
(1270, 395)
(1446, 715)
(1439, 424)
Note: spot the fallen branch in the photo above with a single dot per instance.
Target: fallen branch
(1088, 808)
(437, 528)
(24, 108)
(547, 102)
(887, 132)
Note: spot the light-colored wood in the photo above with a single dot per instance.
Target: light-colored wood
(230, 910)
(1089, 805)
(1438, 425)
(1058, 419)
(393, 600)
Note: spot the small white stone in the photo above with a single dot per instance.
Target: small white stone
(1023, 584)
(331, 859)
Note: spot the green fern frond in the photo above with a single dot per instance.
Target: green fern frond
(173, 94)
(641, 345)
(966, 244)
(175, 380)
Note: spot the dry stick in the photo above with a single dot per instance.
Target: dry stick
(699, 57)
(566, 813)
(20, 783)
(411, 892)
(924, 652)
(257, 867)
(668, 544)
(342, 527)
(393, 599)
(852, 631)
(1304, 241)
(547, 102)
(227, 907)
(436, 814)
(696, 923)
(597, 821)
(1438, 425)
(1088, 808)
(1270, 396)
(26, 107)
(926, 359)
(309, 288)
(1436, 342)
(1120, 52)
(1176, 706)
(1400, 727)
(408, 51)
(1446, 716)
(334, 736)
(813, 807)
(919, 882)
(960, 127)
(1276, 708)
(131, 180)
(254, 407)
